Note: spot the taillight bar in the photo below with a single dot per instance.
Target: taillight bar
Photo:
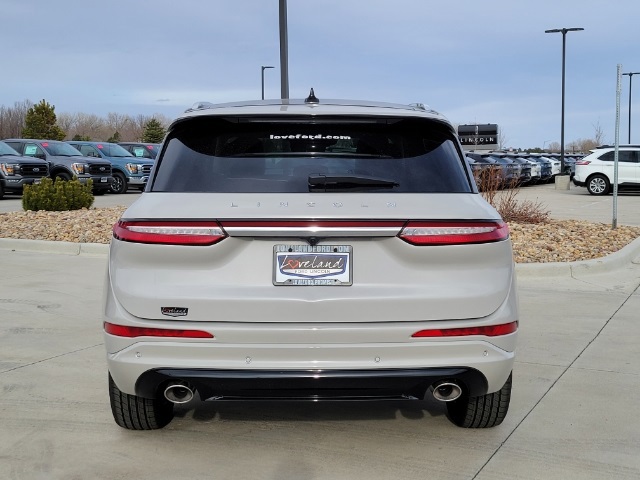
(454, 233)
(169, 232)
(131, 332)
(583, 162)
(488, 331)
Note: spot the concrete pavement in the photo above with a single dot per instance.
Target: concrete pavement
(576, 389)
(572, 415)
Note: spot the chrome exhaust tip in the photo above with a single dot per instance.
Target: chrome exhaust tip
(178, 393)
(446, 391)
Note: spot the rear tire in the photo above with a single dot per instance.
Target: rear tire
(598, 185)
(137, 413)
(484, 411)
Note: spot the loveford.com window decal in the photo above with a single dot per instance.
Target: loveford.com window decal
(307, 137)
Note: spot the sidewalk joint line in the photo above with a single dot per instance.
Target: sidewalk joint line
(495, 452)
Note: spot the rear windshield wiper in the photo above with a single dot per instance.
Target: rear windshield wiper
(346, 182)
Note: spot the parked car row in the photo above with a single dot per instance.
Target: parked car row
(113, 168)
(519, 169)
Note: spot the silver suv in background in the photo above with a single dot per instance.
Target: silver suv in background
(310, 250)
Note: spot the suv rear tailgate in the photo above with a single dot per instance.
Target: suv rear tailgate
(232, 281)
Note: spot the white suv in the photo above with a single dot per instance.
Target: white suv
(596, 170)
(310, 250)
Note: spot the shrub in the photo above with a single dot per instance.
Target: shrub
(503, 199)
(57, 196)
(513, 210)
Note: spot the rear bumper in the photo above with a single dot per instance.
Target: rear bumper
(310, 359)
(308, 370)
(310, 384)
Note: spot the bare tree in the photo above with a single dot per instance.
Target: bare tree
(502, 139)
(598, 134)
(137, 127)
(129, 128)
(554, 147)
(67, 122)
(117, 121)
(583, 145)
(89, 125)
(163, 119)
(12, 119)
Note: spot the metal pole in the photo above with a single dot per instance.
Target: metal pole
(630, 75)
(564, 47)
(263, 67)
(630, 79)
(614, 221)
(284, 48)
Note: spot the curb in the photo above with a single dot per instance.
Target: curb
(630, 254)
(44, 246)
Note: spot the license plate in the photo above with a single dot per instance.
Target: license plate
(104, 179)
(312, 265)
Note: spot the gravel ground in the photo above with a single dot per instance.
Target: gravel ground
(556, 241)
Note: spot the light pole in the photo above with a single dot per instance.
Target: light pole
(630, 74)
(263, 67)
(544, 143)
(284, 50)
(564, 47)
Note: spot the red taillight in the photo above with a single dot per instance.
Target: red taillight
(488, 331)
(169, 232)
(453, 233)
(583, 162)
(130, 332)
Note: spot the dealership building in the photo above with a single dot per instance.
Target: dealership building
(478, 137)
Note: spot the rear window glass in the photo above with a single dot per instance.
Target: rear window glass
(256, 155)
(113, 150)
(60, 149)
(623, 156)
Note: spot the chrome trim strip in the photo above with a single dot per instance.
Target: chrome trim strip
(312, 231)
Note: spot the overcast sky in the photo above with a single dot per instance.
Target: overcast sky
(485, 61)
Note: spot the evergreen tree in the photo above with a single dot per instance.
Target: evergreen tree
(115, 138)
(154, 132)
(40, 123)
(81, 138)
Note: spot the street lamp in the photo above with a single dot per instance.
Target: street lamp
(631, 74)
(262, 74)
(564, 46)
(284, 50)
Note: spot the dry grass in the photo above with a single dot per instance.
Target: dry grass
(503, 198)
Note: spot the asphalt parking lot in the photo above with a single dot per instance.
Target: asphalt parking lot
(572, 414)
